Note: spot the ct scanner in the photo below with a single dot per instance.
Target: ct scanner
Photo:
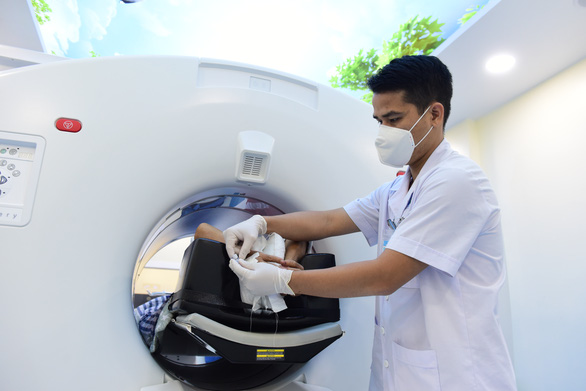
(109, 164)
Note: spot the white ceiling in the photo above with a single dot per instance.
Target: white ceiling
(545, 36)
(17, 26)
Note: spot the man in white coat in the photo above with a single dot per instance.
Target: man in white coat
(440, 262)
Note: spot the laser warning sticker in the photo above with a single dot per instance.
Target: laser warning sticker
(270, 354)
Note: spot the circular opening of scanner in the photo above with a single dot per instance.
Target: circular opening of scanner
(156, 276)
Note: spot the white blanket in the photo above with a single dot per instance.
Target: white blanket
(274, 245)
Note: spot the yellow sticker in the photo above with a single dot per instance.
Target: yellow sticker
(270, 354)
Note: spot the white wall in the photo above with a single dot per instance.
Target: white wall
(533, 151)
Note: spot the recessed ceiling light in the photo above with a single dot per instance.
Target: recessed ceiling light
(500, 63)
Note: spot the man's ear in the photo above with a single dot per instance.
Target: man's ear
(437, 114)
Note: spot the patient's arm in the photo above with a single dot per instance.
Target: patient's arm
(294, 251)
(206, 231)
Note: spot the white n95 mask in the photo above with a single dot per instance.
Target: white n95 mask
(395, 146)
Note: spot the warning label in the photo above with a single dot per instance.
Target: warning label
(270, 354)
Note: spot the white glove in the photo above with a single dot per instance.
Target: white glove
(261, 278)
(246, 232)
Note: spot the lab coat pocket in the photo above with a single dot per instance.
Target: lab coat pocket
(415, 369)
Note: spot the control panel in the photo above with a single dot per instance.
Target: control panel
(21, 156)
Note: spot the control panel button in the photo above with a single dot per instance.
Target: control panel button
(21, 156)
(68, 125)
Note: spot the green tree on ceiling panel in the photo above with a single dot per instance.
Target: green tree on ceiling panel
(42, 10)
(416, 36)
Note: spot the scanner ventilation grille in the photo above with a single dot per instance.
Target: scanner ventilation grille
(252, 165)
(253, 156)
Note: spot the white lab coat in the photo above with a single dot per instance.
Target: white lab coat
(440, 330)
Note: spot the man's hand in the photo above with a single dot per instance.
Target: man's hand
(261, 278)
(240, 237)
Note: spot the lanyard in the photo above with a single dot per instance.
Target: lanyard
(394, 225)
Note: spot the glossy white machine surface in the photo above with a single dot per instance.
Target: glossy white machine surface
(155, 131)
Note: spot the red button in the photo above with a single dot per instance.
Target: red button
(68, 125)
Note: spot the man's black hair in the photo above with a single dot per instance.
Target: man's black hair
(423, 79)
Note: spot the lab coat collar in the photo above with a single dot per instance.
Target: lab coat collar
(403, 194)
(442, 151)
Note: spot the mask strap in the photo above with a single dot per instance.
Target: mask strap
(423, 137)
(425, 112)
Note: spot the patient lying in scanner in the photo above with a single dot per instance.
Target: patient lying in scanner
(153, 316)
(273, 249)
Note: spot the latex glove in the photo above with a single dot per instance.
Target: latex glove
(261, 278)
(246, 232)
